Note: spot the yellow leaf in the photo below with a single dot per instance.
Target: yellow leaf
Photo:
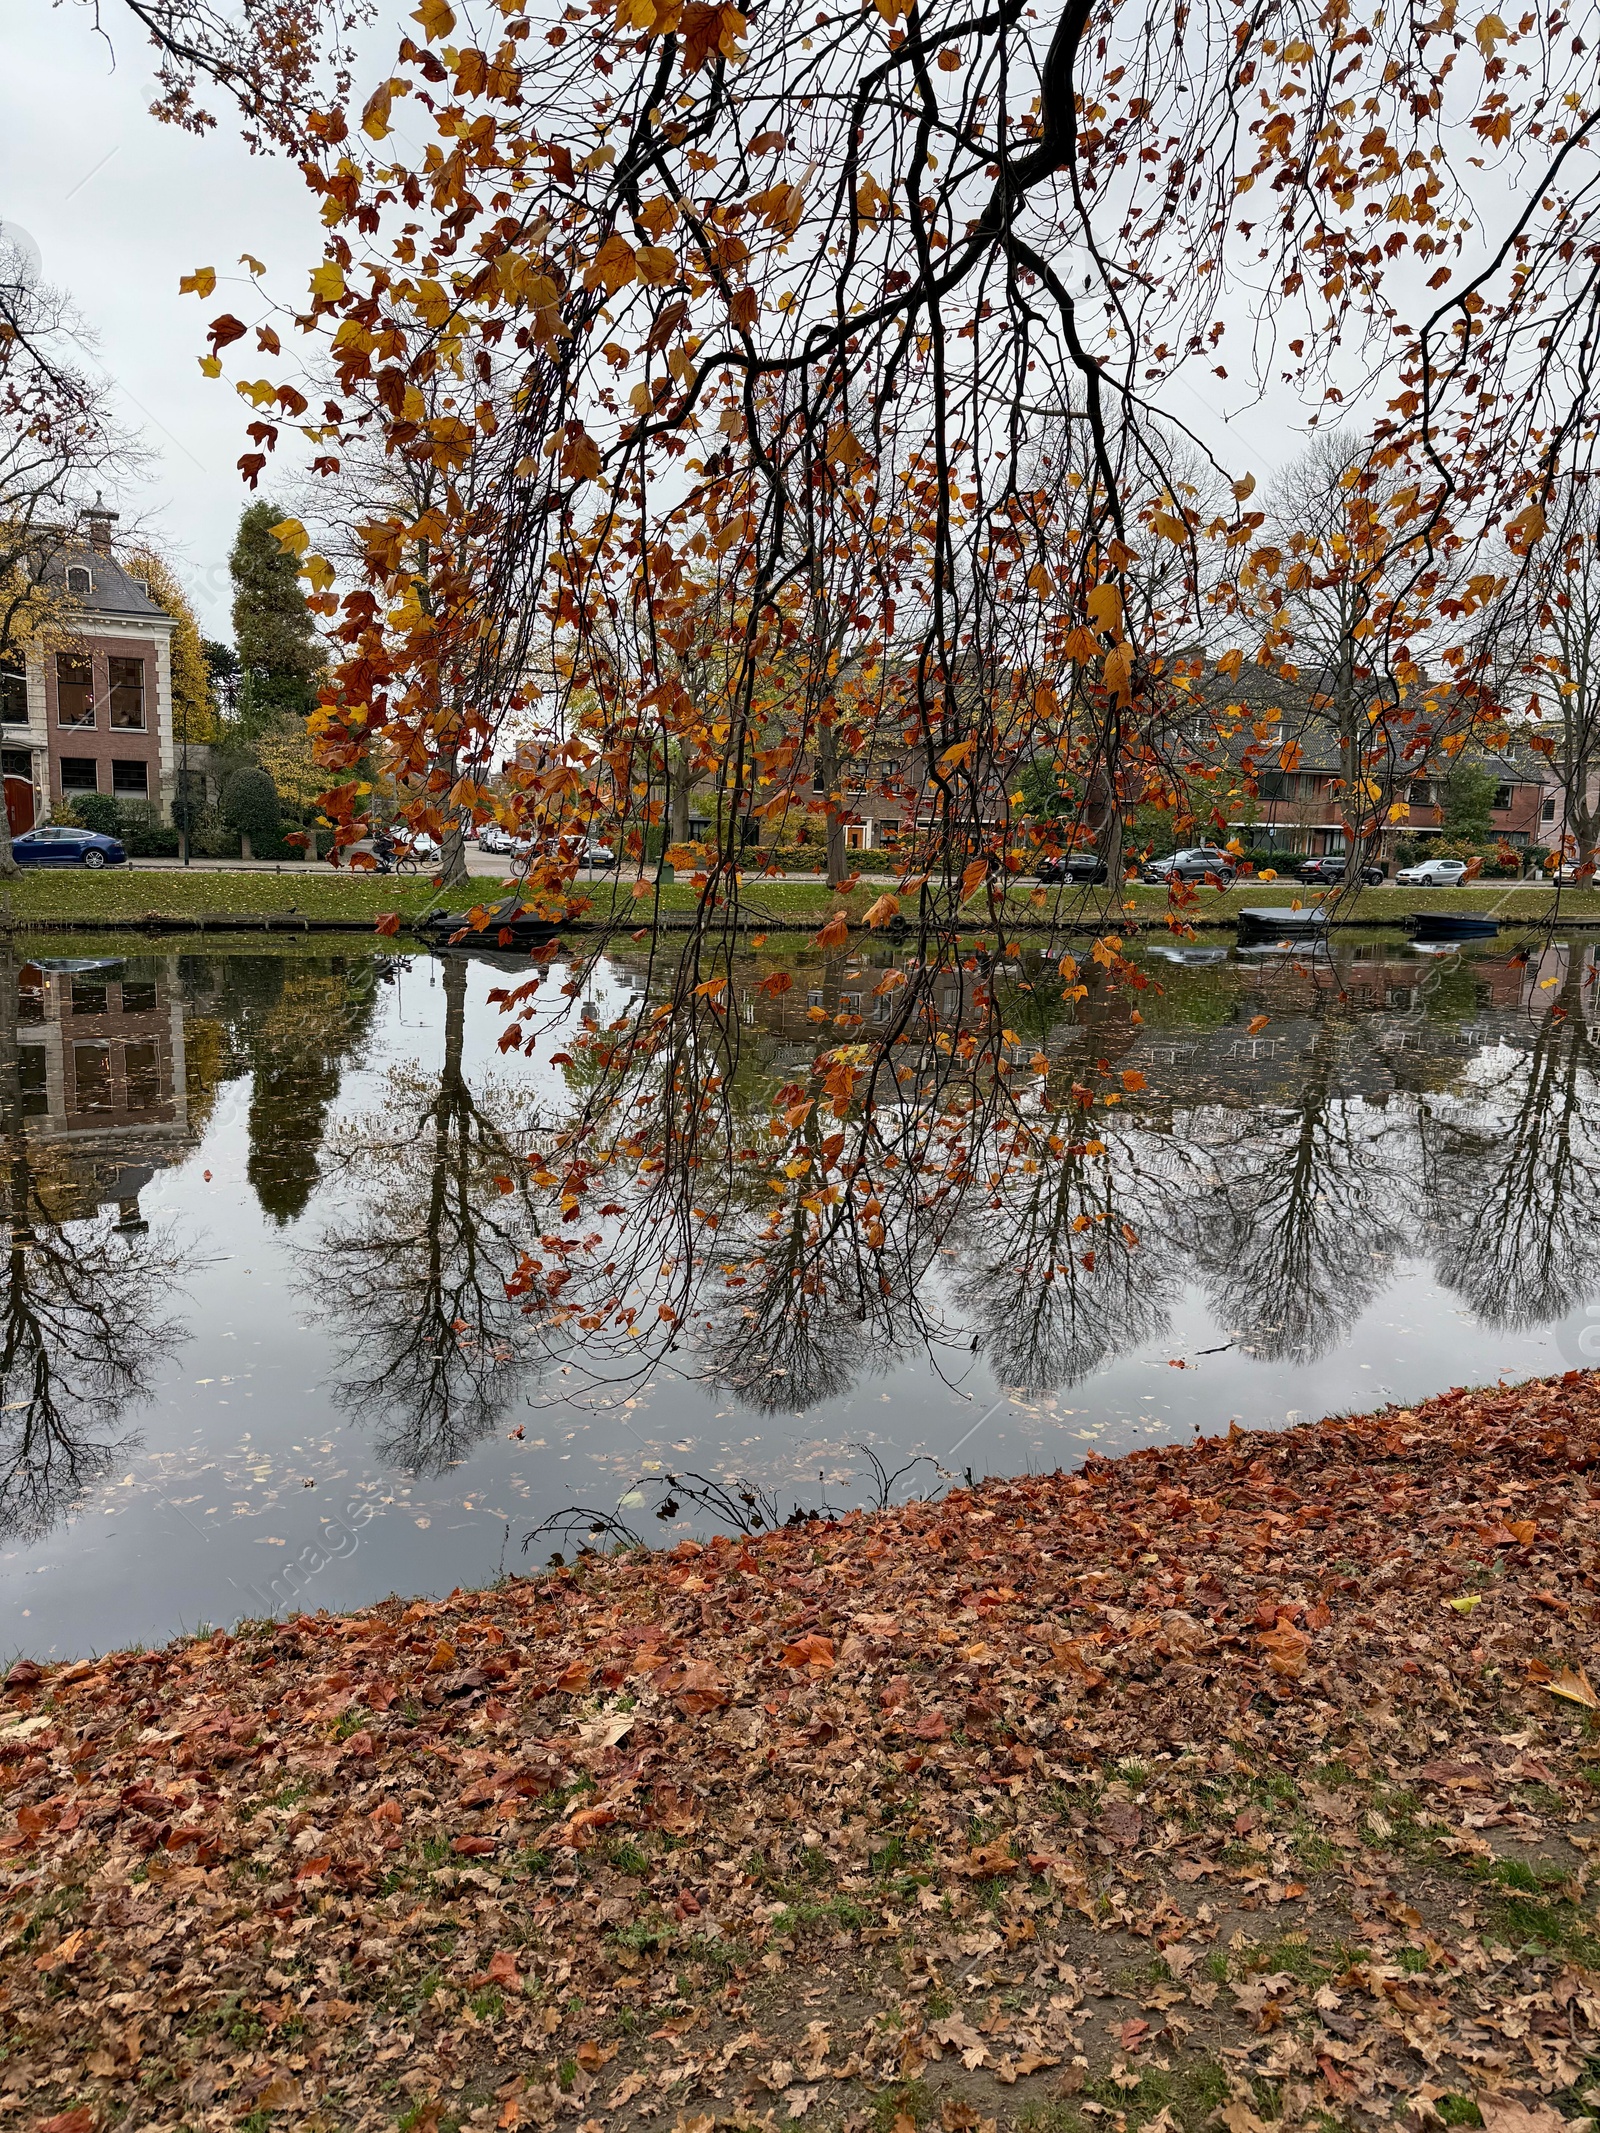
(211, 366)
(880, 913)
(375, 113)
(291, 536)
(1244, 487)
(1169, 528)
(1105, 609)
(1573, 1687)
(200, 283)
(1464, 1602)
(613, 266)
(954, 756)
(1489, 33)
(328, 281)
(436, 19)
(319, 570)
(655, 265)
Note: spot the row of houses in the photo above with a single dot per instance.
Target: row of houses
(1299, 811)
(98, 719)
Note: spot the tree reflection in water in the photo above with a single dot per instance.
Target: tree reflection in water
(411, 1274)
(1050, 1233)
(83, 1324)
(1514, 1169)
(1299, 1233)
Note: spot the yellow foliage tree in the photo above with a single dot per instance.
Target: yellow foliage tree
(194, 711)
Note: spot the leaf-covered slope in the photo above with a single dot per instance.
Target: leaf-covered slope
(1249, 1779)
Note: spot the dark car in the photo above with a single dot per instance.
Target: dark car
(1194, 863)
(1331, 868)
(1070, 866)
(51, 846)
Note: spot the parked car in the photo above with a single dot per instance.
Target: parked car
(1193, 863)
(1433, 874)
(1070, 866)
(1331, 867)
(50, 846)
(492, 838)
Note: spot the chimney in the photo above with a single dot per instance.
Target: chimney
(100, 522)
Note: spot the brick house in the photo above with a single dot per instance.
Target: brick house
(96, 717)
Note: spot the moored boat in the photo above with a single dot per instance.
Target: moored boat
(1280, 922)
(508, 925)
(1452, 926)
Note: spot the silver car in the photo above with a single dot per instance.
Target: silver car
(1433, 874)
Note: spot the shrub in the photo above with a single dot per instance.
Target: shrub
(99, 812)
(250, 805)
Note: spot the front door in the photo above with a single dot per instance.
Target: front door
(17, 766)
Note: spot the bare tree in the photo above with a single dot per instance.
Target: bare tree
(58, 440)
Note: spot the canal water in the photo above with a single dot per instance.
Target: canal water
(264, 1204)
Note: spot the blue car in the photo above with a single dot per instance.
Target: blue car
(51, 846)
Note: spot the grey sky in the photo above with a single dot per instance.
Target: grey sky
(119, 207)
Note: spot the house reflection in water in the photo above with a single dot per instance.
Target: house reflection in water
(102, 1081)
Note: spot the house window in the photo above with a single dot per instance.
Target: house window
(77, 774)
(89, 996)
(74, 692)
(138, 996)
(13, 693)
(32, 1068)
(142, 1064)
(127, 694)
(1502, 797)
(130, 778)
(78, 579)
(1548, 811)
(91, 1076)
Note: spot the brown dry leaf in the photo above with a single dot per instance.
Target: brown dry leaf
(1509, 2114)
(444, 1658)
(1572, 1686)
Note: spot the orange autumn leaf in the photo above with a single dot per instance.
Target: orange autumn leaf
(812, 1650)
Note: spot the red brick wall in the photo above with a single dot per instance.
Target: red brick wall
(101, 741)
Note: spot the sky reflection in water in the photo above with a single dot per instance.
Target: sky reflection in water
(258, 1350)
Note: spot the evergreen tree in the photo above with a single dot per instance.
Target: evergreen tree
(1469, 792)
(222, 663)
(277, 641)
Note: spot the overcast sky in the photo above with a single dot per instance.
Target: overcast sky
(119, 207)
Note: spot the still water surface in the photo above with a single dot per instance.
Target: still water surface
(258, 1352)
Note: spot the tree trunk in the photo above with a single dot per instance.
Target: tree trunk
(828, 764)
(678, 786)
(245, 851)
(8, 864)
(453, 853)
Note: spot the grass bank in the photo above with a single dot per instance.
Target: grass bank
(139, 897)
(1250, 1784)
